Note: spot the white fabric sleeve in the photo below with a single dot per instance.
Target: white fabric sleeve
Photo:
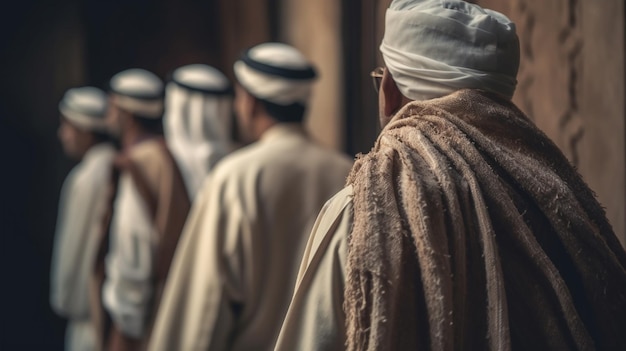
(315, 319)
(207, 277)
(128, 287)
(69, 274)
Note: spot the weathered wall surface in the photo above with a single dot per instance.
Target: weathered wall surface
(571, 83)
(314, 28)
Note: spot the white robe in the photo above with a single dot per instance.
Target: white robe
(315, 319)
(80, 222)
(235, 267)
(150, 209)
(128, 287)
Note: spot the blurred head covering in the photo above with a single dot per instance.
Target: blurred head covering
(276, 73)
(197, 124)
(139, 92)
(435, 47)
(85, 108)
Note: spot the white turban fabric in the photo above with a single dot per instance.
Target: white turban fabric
(198, 121)
(277, 73)
(85, 108)
(435, 47)
(138, 91)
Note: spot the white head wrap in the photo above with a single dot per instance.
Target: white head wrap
(197, 121)
(86, 108)
(138, 91)
(277, 73)
(435, 47)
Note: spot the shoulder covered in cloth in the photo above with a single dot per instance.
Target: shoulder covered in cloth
(471, 229)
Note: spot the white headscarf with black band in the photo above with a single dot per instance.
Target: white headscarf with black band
(139, 92)
(85, 107)
(276, 73)
(435, 47)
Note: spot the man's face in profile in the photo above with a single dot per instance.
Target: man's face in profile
(74, 140)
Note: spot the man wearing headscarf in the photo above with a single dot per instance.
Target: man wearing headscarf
(464, 227)
(149, 210)
(85, 136)
(197, 122)
(235, 268)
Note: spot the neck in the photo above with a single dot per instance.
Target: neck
(134, 135)
(263, 124)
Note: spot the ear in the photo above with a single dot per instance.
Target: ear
(391, 94)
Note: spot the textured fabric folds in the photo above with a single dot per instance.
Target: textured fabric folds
(472, 231)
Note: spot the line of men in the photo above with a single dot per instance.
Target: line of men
(464, 227)
(256, 208)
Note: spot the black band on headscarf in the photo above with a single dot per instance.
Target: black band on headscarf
(138, 95)
(289, 73)
(228, 90)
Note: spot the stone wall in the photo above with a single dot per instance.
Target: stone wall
(314, 27)
(571, 83)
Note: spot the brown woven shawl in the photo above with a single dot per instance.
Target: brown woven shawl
(472, 231)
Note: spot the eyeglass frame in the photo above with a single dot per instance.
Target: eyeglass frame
(377, 77)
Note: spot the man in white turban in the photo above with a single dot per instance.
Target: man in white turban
(235, 268)
(85, 136)
(149, 210)
(197, 122)
(464, 227)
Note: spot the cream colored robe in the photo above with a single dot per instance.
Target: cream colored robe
(81, 211)
(150, 209)
(233, 274)
(315, 319)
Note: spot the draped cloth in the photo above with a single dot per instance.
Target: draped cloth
(472, 231)
(235, 268)
(140, 266)
(197, 129)
(81, 211)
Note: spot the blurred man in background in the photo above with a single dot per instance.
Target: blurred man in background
(234, 270)
(85, 136)
(198, 121)
(149, 211)
(465, 227)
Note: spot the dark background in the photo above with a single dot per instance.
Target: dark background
(49, 46)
